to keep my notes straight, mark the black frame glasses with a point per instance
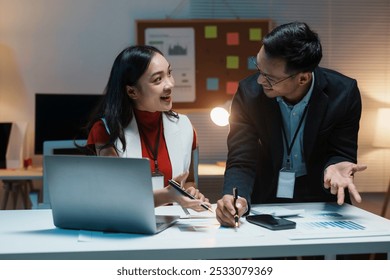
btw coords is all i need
(269, 81)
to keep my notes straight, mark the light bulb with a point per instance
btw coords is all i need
(220, 116)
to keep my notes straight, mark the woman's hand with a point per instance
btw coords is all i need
(190, 187)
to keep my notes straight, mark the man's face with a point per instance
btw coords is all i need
(274, 79)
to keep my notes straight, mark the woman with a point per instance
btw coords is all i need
(135, 119)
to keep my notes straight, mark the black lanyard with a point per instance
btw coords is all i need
(154, 151)
(289, 147)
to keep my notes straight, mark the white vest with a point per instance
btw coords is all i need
(178, 135)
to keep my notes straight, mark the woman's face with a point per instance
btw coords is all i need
(153, 91)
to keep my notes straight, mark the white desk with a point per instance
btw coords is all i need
(36, 173)
(208, 169)
(19, 181)
(21, 174)
(30, 234)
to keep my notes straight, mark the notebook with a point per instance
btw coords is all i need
(103, 193)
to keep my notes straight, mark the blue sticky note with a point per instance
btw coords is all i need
(251, 65)
(212, 83)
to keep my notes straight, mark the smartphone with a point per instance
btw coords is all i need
(271, 222)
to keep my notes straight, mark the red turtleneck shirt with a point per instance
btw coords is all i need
(148, 128)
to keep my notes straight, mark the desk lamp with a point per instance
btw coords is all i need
(382, 140)
(220, 114)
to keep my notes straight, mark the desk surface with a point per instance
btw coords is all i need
(21, 174)
(30, 234)
(208, 169)
(36, 172)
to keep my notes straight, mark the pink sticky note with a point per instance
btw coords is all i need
(231, 87)
(232, 38)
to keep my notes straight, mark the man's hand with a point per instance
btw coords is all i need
(339, 176)
(225, 209)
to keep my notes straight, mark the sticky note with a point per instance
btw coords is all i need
(251, 65)
(255, 34)
(231, 87)
(232, 62)
(212, 84)
(210, 31)
(232, 38)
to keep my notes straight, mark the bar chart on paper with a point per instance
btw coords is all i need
(333, 225)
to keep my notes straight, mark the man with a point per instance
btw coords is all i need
(293, 128)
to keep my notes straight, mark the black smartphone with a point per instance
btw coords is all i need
(271, 222)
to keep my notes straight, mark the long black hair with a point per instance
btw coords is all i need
(116, 107)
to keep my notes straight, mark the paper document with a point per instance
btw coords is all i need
(277, 211)
(334, 225)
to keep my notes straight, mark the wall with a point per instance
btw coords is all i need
(355, 36)
(56, 46)
(69, 46)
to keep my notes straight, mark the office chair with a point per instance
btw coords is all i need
(52, 148)
(195, 163)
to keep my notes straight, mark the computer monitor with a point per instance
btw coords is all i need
(61, 116)
(5, 131)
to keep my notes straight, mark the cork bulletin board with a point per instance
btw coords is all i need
(208, 57)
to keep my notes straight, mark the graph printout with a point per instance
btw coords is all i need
(334, 225)
(178, 46)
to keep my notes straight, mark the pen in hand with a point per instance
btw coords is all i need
(178, 187)
(236, 216)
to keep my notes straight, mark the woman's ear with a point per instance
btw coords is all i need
(131, 92)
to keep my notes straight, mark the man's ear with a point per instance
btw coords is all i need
(131, 92)
(304, 78)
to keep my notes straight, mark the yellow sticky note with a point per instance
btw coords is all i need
(232, 62)
(210, 31)
(255, 34)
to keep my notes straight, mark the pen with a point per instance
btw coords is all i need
(235, 196)
(178, 187)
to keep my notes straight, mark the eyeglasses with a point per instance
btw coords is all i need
(270, 81)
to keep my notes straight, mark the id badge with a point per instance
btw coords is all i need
(158, 181)
(286, 183)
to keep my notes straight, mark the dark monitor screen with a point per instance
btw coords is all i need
(5, 131)
(61, 116)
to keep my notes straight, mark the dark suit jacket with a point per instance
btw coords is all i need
(255, 137)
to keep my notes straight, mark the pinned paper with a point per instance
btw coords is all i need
(232, 62)
(210, 31)
(212, 84)
(255, 34)
(232, 38)
(231, 87)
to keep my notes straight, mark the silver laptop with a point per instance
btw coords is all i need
(103, 194)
